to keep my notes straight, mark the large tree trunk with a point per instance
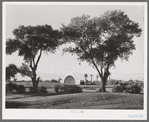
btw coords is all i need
(35, 81)
(103, 85)
(103, 76)
(104, 81)
(35, 85)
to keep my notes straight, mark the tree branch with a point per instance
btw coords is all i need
(106, 71)
(31, 66)
(25, 74)
(101, 70)
(34, 60)
(96, 67)
(38, 58)
(92, 61)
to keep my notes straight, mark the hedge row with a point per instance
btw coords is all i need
(11, 87)
(131, 88)
(40, 90)
(67, 88)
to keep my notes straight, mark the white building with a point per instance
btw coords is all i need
(70, 79)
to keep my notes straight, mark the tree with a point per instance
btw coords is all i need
(11, 71)
(53, 81)
(100, 41)
(30, 42)
(59, 80)
(85, 76)
(91, 78)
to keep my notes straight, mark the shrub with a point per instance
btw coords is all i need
(129, 88)
(20, 89)
(47, 81)
(89, 83)
(10, 87)
(123, 86)
(53, 81)
(120, 88)
(42, 90)
(57, 88)
(93, 83)
(136, 88)
(75, 89)
(113, 82)
(67, 88)
(130, 82)
(96, 82)
(117, 89)
(32, 90)
(82, 82)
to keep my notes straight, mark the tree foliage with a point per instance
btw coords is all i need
(25, 70)
(32, 39)
(30, 42)
(100, 41)
(11, 71)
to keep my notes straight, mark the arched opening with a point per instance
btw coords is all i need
(70, 80)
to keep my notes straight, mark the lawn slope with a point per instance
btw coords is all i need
(92, 100)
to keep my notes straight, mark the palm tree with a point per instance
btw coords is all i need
(91, 77)
(85, 76)
(59, 80)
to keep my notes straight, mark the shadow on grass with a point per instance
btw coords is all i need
(10, 104)
(26, 95)
(83, 101)
(50, 94)
(32, 94)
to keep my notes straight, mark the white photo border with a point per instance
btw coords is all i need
(78, 114)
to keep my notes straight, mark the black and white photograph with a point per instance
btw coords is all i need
(74, 60)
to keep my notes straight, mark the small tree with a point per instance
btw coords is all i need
(11, 71)
(31, 42)
(53, 81)
(100, 41)
(91, 78)
(59, 80)
(85, 76)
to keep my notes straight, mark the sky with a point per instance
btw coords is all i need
(53, 66)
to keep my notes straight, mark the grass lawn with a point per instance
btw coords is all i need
(85, 100)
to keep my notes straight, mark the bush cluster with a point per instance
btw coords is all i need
(40, 90)
(11, 87)
(32, 90)
(82, 82)
(134, 88)
(128, 88)
(113, 82)
(20, 89)
(89, 83)
(67, 88)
